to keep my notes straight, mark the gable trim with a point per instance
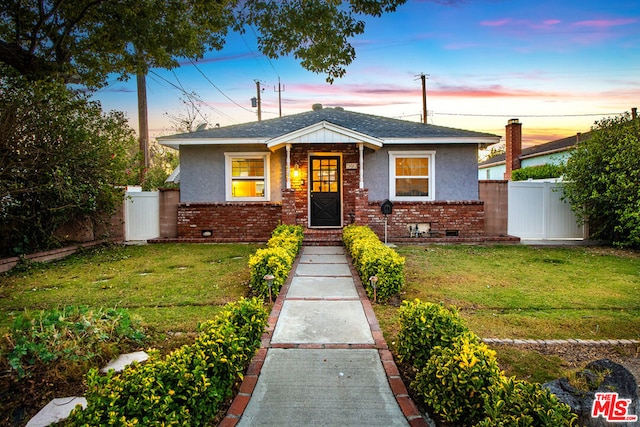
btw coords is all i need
(320, 133)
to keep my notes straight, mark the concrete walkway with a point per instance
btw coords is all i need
(323, 359)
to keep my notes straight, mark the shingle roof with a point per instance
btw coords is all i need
(542, 149)
(375, 126)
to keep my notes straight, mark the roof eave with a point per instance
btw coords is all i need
(177, 142)
(482, 142)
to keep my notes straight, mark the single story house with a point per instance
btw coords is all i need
(327, 168)
(554, 152)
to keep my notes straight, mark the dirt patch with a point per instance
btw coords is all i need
(576, 356)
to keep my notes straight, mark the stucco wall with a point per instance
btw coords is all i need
(202, 176)
(456, 171)
(202, 173)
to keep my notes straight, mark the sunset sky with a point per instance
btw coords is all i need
(557, 65)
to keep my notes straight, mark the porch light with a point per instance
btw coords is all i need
(269, 279)
(374, 284)
(296, 171)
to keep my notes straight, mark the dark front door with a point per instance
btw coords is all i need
(325, 201)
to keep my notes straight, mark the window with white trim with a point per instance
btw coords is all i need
(411, 176)
(247, 176)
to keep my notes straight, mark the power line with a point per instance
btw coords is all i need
(525, 115)
(217, 88)
(189, 96)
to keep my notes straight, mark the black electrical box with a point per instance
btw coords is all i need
(386, 207)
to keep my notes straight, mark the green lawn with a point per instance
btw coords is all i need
(529, 292)
(171, 287)
(502, 291)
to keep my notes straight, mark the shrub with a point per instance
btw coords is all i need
(424, 326)
(276, 259)
(188, 386)
(76, 334)
(456, 379)
(538, 172)
(372, 258)
(520, 403)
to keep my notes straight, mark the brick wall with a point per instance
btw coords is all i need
(446, 218)
(238, 222)
(350, 177)
(495, 195)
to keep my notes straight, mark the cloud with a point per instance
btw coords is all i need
(491, 91)
(444, 2)
(498, 23)
(604, 24)
(118, 89)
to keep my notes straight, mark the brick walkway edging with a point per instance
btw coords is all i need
(399, 390)
(408, 407)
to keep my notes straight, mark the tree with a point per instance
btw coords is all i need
(88, 39)
(60, 160)
(602, 180)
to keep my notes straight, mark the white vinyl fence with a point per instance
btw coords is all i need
(537, 211)
(141, 215)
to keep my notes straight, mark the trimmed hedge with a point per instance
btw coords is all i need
(456, 379)
(371, 257)
(459, 377)
(276, 259)
(519, 403)
(188, 386)
(545, 171)
(424, 326)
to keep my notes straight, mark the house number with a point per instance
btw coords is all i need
(351, 166)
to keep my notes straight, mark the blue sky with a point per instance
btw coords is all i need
(558, 66)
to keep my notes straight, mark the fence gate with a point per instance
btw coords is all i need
(537, 211)
(141, 215)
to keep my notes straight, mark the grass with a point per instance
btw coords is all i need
(529, 292)
(526, 292)
(170, 287)
(502, 291)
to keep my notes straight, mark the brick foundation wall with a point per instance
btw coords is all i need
(239, 222)
(446, 218)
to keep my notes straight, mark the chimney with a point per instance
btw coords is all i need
(634, 113)
(513, 131)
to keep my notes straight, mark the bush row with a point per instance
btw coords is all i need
(188, 386)
(276, 259)
(459, 377)
(373, 258)
(71, 334)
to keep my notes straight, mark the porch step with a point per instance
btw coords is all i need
(322, 237)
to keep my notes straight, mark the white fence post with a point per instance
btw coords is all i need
(141, 215)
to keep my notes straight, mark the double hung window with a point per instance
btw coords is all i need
(247, 176)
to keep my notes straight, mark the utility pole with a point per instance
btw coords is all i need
(279, 90)
(258, 102)
(143, 123)
(424, 78)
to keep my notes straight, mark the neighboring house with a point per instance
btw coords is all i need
(554, 152)
(325, 169)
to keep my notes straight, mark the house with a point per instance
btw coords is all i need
(554, 152)
(325, 169)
